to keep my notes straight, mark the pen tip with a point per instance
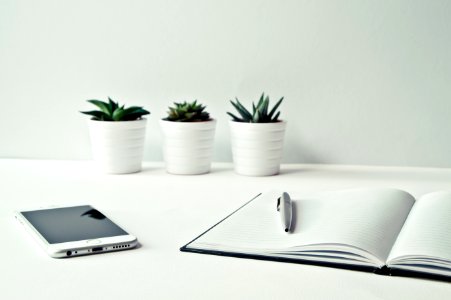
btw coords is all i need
(286, 229)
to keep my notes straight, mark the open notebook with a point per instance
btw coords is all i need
(385, 230)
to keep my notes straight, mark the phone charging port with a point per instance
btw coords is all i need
(97, 249)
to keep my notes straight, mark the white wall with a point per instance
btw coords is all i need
(365, 82)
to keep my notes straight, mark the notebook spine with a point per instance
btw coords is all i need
(383, 271)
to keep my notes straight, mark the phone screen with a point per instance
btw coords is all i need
(69, 224)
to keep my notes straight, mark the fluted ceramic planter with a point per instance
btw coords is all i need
(117, 147)
(257, 147)
(188, 146)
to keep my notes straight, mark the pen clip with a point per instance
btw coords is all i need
(278, 204)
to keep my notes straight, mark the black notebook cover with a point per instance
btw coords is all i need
(381, 271)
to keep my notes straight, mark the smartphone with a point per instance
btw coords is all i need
(74, 231)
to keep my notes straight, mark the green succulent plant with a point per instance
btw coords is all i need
(259, 113)
(112, 111)
(187, 112)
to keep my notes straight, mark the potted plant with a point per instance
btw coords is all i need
(257, 138)
(117, 136)
(188, 133)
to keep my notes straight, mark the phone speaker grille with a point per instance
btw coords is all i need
(121, 246)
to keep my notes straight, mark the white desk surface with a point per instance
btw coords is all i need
(165, 212)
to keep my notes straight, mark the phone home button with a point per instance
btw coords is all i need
(93, 242)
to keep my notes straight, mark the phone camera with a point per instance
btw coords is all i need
(69, 253)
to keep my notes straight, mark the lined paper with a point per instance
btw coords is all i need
(427, 230)
(366, 219)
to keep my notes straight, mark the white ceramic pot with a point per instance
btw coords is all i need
(257, 147)
(188, 146)
(117, 147)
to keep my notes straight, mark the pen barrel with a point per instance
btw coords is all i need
(286, 212)
(286, 219)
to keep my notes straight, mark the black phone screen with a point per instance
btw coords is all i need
(69, 224)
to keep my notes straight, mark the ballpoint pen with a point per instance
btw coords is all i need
(284, 206)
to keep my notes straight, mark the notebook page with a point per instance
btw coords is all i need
(369, 219)
(427, 231)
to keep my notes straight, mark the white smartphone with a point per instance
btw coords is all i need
(74, 231)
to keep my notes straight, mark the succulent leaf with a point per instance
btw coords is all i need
(259, 111)
(102, 105)
(113, 105)
(235, 118)
(112, 111)
(273, 110)
(187, 112)
(97, 115)
(245, 114)
(118, 114)
(260, 101)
